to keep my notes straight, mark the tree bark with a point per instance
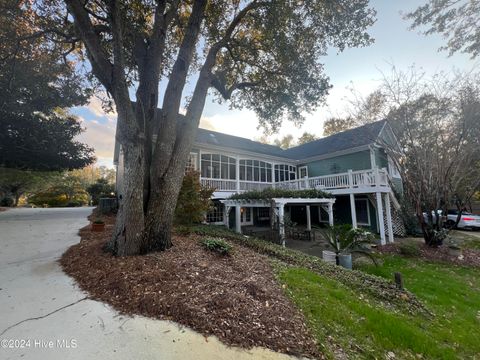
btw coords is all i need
(129, 225)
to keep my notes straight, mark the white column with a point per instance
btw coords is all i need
(389, 218)
(330, 214)
(309, 219)
(319, 215)
(281, 223)
(237, 172)
(381, 226)
(353, 210)
(273, 175)
(238, 219)
(226, 213)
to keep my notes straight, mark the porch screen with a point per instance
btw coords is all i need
(216, 166)
(284, 172)
(255, 170)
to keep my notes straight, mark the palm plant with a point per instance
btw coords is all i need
(344, 239)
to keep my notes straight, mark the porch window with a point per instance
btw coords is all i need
(363, 212)
(392, 168)
(255, 170)
(215, 215)
(216, 166)
(191, 163)
(263, 213)
(284, 172)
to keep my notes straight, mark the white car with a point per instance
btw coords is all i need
(467, 220)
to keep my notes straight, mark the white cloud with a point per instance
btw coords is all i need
(95, 107)
(99, 136)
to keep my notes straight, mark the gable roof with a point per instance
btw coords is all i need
(360, 136)
(209, 137)
(349, 139)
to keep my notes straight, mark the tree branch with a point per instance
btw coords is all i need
(101, 66)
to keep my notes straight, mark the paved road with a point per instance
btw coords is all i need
(34, 292)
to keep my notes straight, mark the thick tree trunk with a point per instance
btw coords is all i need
(129, 225)
(160, 215)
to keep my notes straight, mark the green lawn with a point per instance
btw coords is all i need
(365, 329)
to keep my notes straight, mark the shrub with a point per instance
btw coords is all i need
(269, 193)
(6, 201)
(217, 245)
(101, 188)
(409, 249)
(193, 201)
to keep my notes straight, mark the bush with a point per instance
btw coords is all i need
(217, 245)
(56, 198)
(193, 201)
(6, 201)
(100, 189)
(409, 249)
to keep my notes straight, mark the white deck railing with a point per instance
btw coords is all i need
(350, 179)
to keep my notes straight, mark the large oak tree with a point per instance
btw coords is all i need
(261, 55)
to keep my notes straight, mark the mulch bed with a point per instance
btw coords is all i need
(235, 298)
(470, 257)
(3, 209)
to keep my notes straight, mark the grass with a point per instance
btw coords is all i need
(361, 313)
(364, 330)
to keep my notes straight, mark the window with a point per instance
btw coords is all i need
(215, 215)
(246, 216)
(363, 212)
(302, 172)
(191, 163)
(217, 166)
(392, 168)
(255, 170)
(263, 213)
(284, 172)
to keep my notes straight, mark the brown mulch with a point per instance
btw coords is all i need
(3, 209)
(235, 298)
(470, 257)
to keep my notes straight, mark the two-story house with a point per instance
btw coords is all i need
(351, 165)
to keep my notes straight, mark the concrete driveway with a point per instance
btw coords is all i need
(43, 315)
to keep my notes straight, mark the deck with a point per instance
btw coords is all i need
(351, 182)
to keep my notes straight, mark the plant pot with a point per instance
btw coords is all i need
(98, 227)
(454, 251)
(329, 257)
(345, 260)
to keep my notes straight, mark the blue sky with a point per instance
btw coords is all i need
(358, 67)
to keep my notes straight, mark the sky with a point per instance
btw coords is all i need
(360, 68)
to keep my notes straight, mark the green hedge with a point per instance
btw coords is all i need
(268, 194)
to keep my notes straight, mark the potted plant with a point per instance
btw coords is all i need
(98, 225)
(345, 241)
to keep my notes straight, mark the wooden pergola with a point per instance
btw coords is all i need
(278, 205)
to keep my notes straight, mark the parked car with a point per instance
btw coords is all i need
(467, 220)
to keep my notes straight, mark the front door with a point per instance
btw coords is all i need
(302, 172)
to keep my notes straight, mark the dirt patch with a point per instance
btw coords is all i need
(3, 209)
(469, 257)
(235, 298)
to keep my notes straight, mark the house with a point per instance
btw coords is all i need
(352, 165)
